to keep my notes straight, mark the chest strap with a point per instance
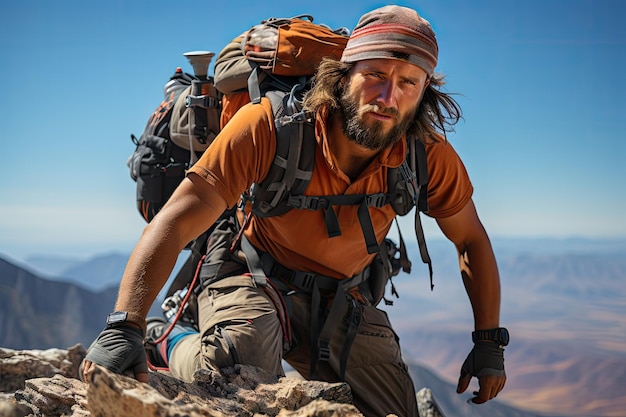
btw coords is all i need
(326, 203)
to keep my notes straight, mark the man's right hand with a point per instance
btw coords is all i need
(120, 350)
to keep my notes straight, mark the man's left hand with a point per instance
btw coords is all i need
(485, 362)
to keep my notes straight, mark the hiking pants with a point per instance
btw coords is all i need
(239, 324)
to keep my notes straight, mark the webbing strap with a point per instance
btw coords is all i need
(405, 262)
(320, 337)
(254, 89)
(294, 132)
(306, 281)
(316, 319)
(332, 222)
(326, 204)
(322, 327)
(354, 320)
(421, 243)
(419, 165)
(368, 229)
(254, 262)
(422, 175)
(295, 148)
(190, 265)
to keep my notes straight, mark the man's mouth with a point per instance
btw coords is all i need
(379, 113)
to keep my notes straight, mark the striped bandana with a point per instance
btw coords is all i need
(393, 32)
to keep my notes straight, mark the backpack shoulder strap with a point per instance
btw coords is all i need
(417, 156)
(421, 171)
(292, 167)
(408, 185)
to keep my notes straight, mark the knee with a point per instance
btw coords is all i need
(248, 343)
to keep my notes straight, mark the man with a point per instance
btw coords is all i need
(368, 106)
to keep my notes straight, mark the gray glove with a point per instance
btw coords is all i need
(486, 358)
(120, 350)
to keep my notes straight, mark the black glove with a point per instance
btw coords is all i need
(486, 358)
(120, 350)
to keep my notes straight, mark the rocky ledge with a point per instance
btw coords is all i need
(44, 383)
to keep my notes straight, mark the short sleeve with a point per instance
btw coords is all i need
(241, 154)
(449, 186)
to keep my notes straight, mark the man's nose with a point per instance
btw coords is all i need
(386, 94)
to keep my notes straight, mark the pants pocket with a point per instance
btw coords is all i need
(376, 342)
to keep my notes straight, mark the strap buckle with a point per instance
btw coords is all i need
(308, 202)
(204, 102)
(376, 200)
(323, 350)
(303, 279)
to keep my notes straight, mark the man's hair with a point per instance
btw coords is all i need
(437, 112)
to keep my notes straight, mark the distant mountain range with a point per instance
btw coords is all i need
(565, 307)
(96, 273)
(38, 314)
(564, 302)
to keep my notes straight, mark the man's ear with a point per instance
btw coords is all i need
(343, 82)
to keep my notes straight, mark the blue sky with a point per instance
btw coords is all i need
(541, 84)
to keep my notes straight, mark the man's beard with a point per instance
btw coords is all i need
(371, 136)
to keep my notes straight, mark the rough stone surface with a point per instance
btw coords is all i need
(17, 366)
(49, 388)
(426, 405)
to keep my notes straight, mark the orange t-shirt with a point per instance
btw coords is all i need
(243, 153)
(231, 103)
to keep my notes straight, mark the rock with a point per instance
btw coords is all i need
(9, 408)
(426, 405)
(16, 366)
(47, 386)
(55, 396)
(323, 408)
(238, 391)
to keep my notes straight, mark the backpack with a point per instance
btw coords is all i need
(281, 73)
(175, 135)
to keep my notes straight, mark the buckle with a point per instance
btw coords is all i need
(303, 280)
(296, 201)
(201, 101)
(311, 203)
(376, 200)
(324, 350)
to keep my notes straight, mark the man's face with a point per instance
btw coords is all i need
(379, 101)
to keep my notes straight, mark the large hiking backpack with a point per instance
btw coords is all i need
(288, 51)
(176, 134)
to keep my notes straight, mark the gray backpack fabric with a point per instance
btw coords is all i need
(176, 134)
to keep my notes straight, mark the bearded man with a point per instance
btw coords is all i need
(367, 108)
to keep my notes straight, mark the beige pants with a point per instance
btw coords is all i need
(239, 324)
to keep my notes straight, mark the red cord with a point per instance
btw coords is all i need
(178, 314)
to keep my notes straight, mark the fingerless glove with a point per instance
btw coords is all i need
(120, 350)
(486, 358)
